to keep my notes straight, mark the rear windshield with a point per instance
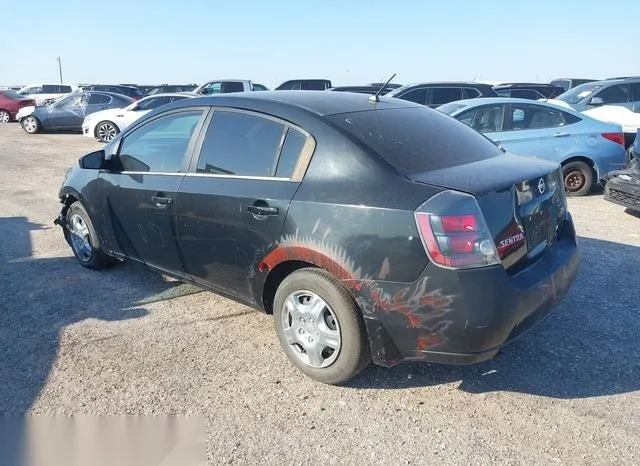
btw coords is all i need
(414, 140)
(13, 95)
(575, 95)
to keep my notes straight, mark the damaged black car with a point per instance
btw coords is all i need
(372, 229)
(623, 186)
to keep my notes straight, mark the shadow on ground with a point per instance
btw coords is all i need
(589, 346)
(41, 296)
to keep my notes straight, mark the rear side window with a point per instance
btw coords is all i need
(64, 89)
(413, 140)
(50, 89)
(95, 99)
(526, 94)
(470, 93)
(240, 144)
(618, 94)
(313, 85)
(293, 144)
(444, 95)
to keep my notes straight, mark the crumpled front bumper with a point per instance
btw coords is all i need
(622, 187)
(464, 316)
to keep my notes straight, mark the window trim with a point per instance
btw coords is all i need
(115, 151)
(300, 169)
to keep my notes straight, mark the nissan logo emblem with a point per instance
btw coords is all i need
(541, 186)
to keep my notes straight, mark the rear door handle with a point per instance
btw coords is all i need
(161, 202)
(262, 210)
(561, 135)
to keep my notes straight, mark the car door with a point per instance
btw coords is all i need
(232, 205)
(537, 130)
(140, 186)
(66, 113)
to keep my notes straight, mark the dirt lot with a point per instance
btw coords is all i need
(128, 341)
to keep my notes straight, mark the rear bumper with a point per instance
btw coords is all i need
(464, 317)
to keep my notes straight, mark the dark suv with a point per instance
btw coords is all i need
(171, 89)
(382, 231)
(531, 91)
(129, 91)
(436, 94)
(304, 85)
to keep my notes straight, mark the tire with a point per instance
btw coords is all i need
(30, 124)
(578, 178)
(106, 131)
(337, 321)
(5, 117)
(82, 237)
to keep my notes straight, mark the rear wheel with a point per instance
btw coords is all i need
(5, 117)
(82, 238)
(31, 124)
(578, 178)
(106, 131)
(320, 326)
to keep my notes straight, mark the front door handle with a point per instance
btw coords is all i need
(262, 210)
(161, 202)
(561, 135)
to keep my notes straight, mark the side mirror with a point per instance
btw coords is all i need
(596, 101)
(93, 161)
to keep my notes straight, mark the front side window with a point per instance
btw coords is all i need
(212, 88)
(418, 95)
(485, 119)
(232, 86)
(150, 104)
(525, 94)
(240, 144)
(470, 93)
(64, 89)
(50, 89)
(618, 94)
(444, 95)
(160, 145)
(73, 101)
(635, 92)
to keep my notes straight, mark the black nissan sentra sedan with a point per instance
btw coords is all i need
(372, 231)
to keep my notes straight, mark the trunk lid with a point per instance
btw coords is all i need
(522, 200)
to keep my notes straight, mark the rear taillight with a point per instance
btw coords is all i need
(615, 137)
(454, 232)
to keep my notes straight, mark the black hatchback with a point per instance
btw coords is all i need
(371, 230)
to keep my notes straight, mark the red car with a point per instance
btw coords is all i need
(10, 103)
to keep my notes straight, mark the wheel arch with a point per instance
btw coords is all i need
(95, 128)
(587, 160)
(275, 276)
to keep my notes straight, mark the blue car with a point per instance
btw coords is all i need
(586, 148)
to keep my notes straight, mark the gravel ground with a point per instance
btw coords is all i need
(130, 342)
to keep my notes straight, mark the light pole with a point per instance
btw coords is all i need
(60, 69)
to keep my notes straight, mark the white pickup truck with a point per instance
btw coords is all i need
(43, 94)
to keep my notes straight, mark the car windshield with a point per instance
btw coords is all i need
(415, 140)
(575, 95)
(450, 108)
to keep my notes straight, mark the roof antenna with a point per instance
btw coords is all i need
(376, 98)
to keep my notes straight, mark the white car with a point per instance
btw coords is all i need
(225, 86)
(106, 125)
(43, 94)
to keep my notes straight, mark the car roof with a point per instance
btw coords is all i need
(531, 85)
(320, 103)
(170, 94)
(503, 100)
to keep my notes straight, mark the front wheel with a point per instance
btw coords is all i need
(82, 238)
(320, 326)
(578, 178)
(106, 131)
(31, 124)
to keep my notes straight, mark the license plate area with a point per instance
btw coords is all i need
(536, 230)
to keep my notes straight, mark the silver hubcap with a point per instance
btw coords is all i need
(30, 124)
(311, 329)
(106, 132)
(80, 237)
(4, 116)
